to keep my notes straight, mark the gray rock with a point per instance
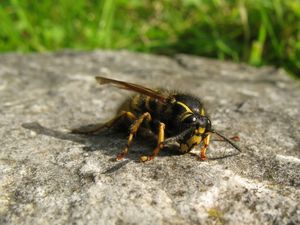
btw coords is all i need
(49, 176)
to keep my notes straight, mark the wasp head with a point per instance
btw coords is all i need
(197, 128)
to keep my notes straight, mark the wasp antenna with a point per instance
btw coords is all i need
(102, 80)
(226, 139)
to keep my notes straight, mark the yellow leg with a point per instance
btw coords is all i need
(122, 115)
(133, 129)
(160, 140)
(100, 126)
(204, 148)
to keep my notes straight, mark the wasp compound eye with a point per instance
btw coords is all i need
(190, 119)
(208, 126)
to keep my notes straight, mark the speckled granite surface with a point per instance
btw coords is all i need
(48, 176)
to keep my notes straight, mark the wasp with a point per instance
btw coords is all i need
(172, 117)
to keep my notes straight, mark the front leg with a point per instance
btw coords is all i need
(204, 148)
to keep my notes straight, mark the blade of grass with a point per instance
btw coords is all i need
(270, 30)
(106, 23)
(257, 47)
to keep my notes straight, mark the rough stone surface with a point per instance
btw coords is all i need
(48, 176)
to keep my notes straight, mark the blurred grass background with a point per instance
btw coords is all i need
(252, 31)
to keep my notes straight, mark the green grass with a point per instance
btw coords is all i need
(253, 31)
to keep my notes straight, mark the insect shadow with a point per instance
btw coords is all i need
(110, 141)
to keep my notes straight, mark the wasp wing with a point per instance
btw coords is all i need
(133, 87)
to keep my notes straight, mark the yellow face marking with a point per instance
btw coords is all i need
(200, 130)
(202, 112)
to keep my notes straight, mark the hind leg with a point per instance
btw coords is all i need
(100, 126)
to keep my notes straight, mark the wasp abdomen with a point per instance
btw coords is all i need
(141, 103)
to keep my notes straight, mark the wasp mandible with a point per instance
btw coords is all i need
(172, 117)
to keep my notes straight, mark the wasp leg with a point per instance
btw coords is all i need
(100, 126)
(160, 144)
(133, 129)
(204, 148)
